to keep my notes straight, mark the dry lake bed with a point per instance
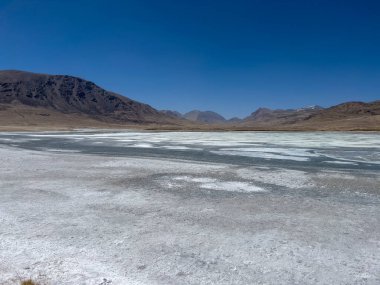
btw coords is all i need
(92, 207)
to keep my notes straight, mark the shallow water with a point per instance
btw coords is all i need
(294, 149)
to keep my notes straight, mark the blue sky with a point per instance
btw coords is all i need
(227, 56)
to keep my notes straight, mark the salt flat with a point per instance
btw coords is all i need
(190, 208)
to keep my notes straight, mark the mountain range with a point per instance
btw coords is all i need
(207, 117)
(30, 100)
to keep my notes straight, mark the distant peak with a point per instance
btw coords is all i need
(309, 108)
(204, 117)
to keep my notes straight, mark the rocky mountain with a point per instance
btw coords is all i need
(350, 109)
(72, 95)
(345, 116)
(234, 120)
(282, 116)
(208, 117)
(170, 113)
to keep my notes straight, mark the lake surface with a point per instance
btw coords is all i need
(294, 149)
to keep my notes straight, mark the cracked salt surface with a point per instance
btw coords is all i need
(232, 186)
(176, 215)
(281, 177)
(214, 184)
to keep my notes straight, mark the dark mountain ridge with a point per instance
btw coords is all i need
(351, 109)
(68, 94)
(345, 116)
(282, 116)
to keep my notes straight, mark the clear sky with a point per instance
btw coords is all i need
(227, 56)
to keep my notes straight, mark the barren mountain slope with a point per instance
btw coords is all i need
(71, 95)
(345, 116)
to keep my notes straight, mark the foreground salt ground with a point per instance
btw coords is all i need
(72, 213)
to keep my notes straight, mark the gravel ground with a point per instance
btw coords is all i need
(69, 217)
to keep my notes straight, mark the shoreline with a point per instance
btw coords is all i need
(172, 129)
